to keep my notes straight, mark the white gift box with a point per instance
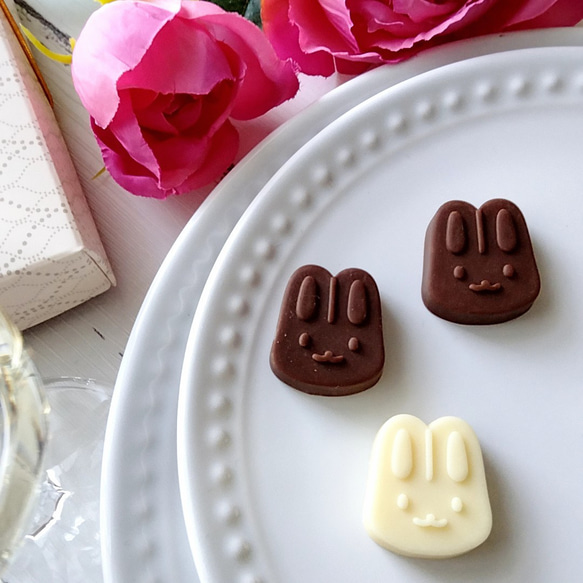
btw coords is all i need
(51, 257)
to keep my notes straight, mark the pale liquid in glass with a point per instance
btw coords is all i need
(23, 435)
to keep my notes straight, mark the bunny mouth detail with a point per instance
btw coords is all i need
(430, 520)
(485, 286)
(328, 357)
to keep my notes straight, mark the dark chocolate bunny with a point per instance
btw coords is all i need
(329, 338)
(479, 265)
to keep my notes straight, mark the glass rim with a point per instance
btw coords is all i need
(11, 342)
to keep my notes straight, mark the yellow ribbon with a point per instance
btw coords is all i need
(65, 59)
(59, 58)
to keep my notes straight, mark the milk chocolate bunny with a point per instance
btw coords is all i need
(479, 265)
(329, 337)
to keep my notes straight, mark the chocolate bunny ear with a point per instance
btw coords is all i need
(310, 282)
(506, 226)
(329, 338)
(455, 227)
(479, 265)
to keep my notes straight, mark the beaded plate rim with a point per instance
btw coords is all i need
(209, 470)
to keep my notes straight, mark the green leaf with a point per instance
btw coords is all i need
(253, 12)
(250, 9)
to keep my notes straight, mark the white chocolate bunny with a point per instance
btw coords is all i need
(426, 494)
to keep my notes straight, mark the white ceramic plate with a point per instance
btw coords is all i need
(143, 529)
(272, 479)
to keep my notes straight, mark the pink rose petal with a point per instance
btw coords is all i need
(137, 179)
(193, 65)
(284, 36)
(113, 41)
(420, 11)
(525, 14)
(266, 80)
(393, 30)
(162, 79)
(323, 23)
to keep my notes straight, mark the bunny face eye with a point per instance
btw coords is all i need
(508, 271)
(304, 340)
(456, 504)
(459, 272)
(353, 344)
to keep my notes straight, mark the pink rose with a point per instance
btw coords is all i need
(320, 36)
(162, 80)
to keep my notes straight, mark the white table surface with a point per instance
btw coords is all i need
(89, 341)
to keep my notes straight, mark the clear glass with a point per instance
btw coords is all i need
(24, 413)
(49, 484)
(63, 541)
